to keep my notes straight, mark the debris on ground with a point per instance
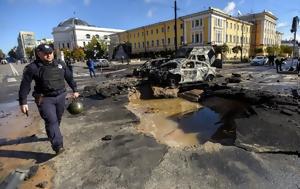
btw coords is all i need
(192, 95)
(42, 184)
(106, 138)
(167, 92)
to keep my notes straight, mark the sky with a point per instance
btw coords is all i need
(41, 16)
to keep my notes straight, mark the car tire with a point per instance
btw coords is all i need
(210, 78)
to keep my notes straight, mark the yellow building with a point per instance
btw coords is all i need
(215, 27)
(263, 30)
(211, 26)
(154, 37)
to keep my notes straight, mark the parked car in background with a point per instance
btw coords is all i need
(181, 71)
(3, 61)
(148, 66)
(259, 61)
(99, 63)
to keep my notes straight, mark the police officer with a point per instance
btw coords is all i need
(49, 91)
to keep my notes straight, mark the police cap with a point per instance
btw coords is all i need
(44, 48)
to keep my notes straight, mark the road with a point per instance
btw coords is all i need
(136, 160)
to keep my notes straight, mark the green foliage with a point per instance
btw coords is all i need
(2, 55)
(236, 49)
(95, 48)
(78, 54)
(67, 53)
(286, 49)
(29, 52)
(258, 50)
(12, 53)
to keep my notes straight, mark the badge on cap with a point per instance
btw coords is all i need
(59, 66)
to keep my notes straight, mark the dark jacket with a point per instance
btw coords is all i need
(32, 72)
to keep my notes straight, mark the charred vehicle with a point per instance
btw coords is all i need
(181, 71)
(148, 66)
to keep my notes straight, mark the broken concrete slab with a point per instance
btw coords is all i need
(160, 92)
(192, 95)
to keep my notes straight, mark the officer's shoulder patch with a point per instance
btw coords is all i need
(59, 66)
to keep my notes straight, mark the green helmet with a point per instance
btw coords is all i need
(75, 108)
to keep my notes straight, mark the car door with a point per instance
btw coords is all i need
(202, 70)
(189, 71)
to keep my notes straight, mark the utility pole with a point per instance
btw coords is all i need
(295, 24)
(175, 11)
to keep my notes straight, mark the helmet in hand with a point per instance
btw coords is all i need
(75, 108)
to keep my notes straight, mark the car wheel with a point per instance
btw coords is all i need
(210, 77)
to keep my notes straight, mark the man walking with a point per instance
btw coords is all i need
(278, 64)
(49, 91)
(91, 65)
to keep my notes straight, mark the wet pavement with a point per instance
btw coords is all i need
(164, 143)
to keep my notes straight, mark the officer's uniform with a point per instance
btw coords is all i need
(49, 93)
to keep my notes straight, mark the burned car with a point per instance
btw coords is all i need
(181, 71)
(148, 66)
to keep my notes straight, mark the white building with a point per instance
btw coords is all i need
(25, 40)
(43, 41)
(74, 33)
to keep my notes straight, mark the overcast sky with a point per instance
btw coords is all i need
(40, 16)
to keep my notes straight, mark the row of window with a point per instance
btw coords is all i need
(88, 36)
(63, 45)
(158, 43)
(237, 27)
(197, 23)
(151, 32)
(237, 39)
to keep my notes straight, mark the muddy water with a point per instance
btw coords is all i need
(155, 120)
(180, 123)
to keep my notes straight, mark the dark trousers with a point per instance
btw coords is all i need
(92, 72)
(278, 66)
(51, 110)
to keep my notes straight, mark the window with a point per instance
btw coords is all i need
(181, 26)
(226, 38)
(169, 41)
(230, 25)
(201, 22)
(142, 33)
(151, 32)
(230, 38)
(162, 30)
(193, 23)
(238, 27)
(237, 39)
(218, 36)
(201, 37)
(84, 43)
(143, 44)
(97, 36)
(218, 22)
(193, 38)
(226, 24)
(68, 45)
(163, 41)
(197, 38)
(88, 36)
(147, 43)
(157, 43)
(197, 23)
(181, 40)
(135, 45)
(139, 44)
(63, 45)
(156, 31)
(152, 43)
(168, 28)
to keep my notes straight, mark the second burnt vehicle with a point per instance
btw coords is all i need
(145, 69)
(182, 71)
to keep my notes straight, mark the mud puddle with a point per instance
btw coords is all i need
(181, 123)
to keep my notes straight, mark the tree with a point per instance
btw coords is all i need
(223, 49)
(29, 52)
(258, 50)
(286, 49)
(238, 49)
(12, 53)
(67, 53)
(95, 48)
(78, 54)
(2, 55)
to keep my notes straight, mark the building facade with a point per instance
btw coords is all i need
(74, 33)
(264, 32)
(209, 27)
(25, 40)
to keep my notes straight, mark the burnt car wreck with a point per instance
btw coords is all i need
(182, 71)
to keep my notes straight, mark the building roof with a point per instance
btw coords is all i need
(72, 22)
